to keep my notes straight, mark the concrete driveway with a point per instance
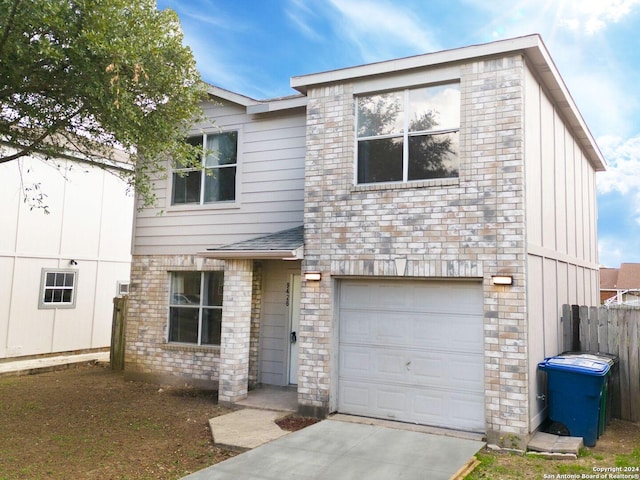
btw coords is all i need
(341, 450)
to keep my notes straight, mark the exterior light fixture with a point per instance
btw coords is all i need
(502, 279)
(312, 276)
(72, 262)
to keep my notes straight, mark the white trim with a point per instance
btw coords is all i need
(278, 104)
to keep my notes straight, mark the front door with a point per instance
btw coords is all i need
(294, 326)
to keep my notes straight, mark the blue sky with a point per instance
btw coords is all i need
(253, 47)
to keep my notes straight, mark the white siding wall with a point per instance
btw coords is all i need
(90, 222)
(561, 230)
(269, 194)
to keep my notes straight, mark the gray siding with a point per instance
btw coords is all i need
(269, 193)
(562, 252)
(274, 326)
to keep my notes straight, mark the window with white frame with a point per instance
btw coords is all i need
(408, 135)
(215, 180)
(58, 288)
(195, 307)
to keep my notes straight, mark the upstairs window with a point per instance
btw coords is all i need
(195, 307)
(408, 135)
(58, 288)
(215, 180)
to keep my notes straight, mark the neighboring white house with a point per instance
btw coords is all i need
(397, 240)
(61, 270)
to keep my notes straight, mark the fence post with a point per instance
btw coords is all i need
(117, 332)
(575, 328)
(566, 327)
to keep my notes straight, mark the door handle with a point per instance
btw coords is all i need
(293, 339)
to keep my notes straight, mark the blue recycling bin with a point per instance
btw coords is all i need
(575, 389)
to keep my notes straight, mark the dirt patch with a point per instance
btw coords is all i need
(89, 423)
(292, 423)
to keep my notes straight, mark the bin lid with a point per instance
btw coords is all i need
(605, 357)
(576, 364)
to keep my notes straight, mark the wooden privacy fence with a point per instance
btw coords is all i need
(614, 330)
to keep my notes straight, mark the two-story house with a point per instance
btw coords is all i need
(397, 240)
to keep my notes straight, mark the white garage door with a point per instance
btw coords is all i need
(412, 351)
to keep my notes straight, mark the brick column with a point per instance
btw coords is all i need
(236, 330)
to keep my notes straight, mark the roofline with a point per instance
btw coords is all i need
(278, 104)
(254, 106)
(301, 82)
(531, 46)
(230, 96)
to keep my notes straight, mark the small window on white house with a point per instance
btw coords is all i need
(58, 288)
(195, 307)
(408, 135)
(215, 180)
(122, 289)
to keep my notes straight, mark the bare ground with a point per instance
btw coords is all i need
(88, 423)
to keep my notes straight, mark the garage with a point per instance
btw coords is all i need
(412, 351)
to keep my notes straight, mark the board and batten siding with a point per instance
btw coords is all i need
(90, 222)
(561, 222)
(269, 190)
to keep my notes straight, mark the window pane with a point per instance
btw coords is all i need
(59, 282)
(380, 114)
(57, 296)
(185, 288)
(48, 296)
(186, 187)
(380, 160)
(213, 285)
(222, 149)
(68, 279)
(66, 295)
(220, 185)
(51, 280)
(196, 160)
(434, 108)
(433, 156)
(211, 326)
(183, 324)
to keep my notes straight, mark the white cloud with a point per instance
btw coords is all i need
(623, 173)
(592, 16)
(300, 14)
(623, 156)
(382, 30)
(612, 251)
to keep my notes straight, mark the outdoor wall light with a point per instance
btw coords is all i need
(502, 279)
(312, 276)
(72, 262)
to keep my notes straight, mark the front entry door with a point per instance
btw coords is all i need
(294, 325)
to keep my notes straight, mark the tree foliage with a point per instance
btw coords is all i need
(90, 78)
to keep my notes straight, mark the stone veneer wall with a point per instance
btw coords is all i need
(471, 227)
(148, 356)
(236, 331)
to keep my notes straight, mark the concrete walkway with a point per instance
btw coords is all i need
(340, 450)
